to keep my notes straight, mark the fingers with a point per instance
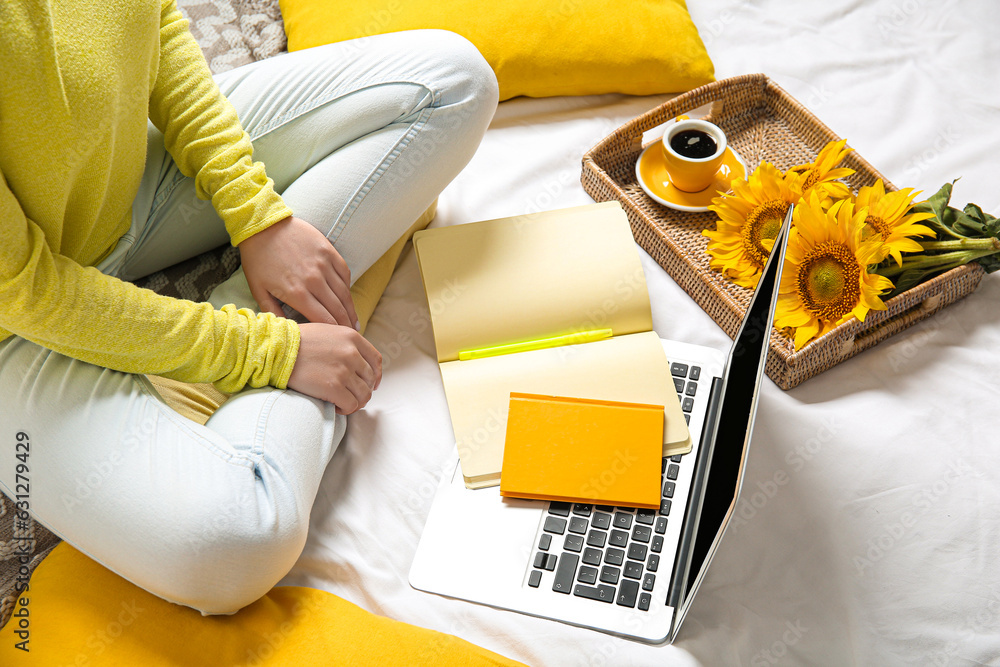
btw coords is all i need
(267, 302)
(322, 296)
(353, 394)
(341, 288)
(340, 266)
(373, 358)
(336, 364)
(367, 373)
(324, 307)
(293, 262)
(361, 390)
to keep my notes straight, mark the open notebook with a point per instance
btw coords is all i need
(535, 277)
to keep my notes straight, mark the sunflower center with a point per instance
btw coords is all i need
(829, 281)
(810, 179)
(763, 222)
(879, 225)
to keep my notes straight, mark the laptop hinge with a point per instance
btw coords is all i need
(682, 562)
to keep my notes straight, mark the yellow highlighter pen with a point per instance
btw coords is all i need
(540, 344)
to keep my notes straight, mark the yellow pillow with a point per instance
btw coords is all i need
(539, 49)
(367, 289)
(76, 612)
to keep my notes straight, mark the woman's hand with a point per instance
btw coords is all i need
(293, 262)
(336, 364)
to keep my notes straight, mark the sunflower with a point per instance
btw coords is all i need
(820, 175)
(826, 279)
(887, 217)
(749, 219)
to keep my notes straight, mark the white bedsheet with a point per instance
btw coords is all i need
(882, 544)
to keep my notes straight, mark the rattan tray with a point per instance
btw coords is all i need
(762, 122)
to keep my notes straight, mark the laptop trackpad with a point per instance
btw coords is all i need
(477, 544)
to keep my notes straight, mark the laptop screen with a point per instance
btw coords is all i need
(734, 417)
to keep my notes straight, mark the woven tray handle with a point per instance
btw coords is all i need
(717, 94)
(904, 310)
(893, 325)
(921, 302)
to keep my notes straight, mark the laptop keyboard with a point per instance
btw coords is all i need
(612, 554)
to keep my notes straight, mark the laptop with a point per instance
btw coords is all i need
(625, 571)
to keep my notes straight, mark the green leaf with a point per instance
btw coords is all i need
(971, 222)
(990, 224)
(973, 211)
(993, 227)
(948, 222)
(991, 263)
(939, 199)
(945, 216)
(909, 279)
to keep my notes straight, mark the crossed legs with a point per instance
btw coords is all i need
(360, 138)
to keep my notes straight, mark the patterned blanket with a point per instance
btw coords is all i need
(231, 33)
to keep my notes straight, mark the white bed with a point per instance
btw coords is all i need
(882, 546)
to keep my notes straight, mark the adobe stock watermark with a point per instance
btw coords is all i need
(563, 177)
(375, 23)
(627, 290)
(899, 20)
(754, 499)
(776, 652)
(982, 622)
(894, 532)
(558, 13)
(420, 322)
(100, 640)
(419, 496)
(218, 522)
(379, 18)
(552, 188)
(716, 27)
(494, 422)
(603, 655)
(946, 138)
(621, 463)
(403, 340)
(446, 297)
(273, 640)
(92, 478)
(903, 352)
(411, 155)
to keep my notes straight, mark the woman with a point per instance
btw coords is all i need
(111, 129)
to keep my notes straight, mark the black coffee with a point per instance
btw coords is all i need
(694, 144)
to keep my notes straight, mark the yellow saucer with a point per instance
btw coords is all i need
(651, 170)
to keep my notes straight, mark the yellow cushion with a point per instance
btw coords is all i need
(80, 613)
(367, 290)
(198, 402)
(539, 49)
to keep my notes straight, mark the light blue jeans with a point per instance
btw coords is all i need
(359, 137)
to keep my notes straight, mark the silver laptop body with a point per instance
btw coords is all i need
(511, 554)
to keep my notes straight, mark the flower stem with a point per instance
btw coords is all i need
(944, 261)
(963, 244)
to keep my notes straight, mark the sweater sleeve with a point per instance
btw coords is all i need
(78, 311)
(203, 134)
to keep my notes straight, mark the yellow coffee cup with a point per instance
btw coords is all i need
(693, 151)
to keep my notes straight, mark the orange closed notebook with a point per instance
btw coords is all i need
(582, 450)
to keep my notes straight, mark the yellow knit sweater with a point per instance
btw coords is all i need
(79, 80)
